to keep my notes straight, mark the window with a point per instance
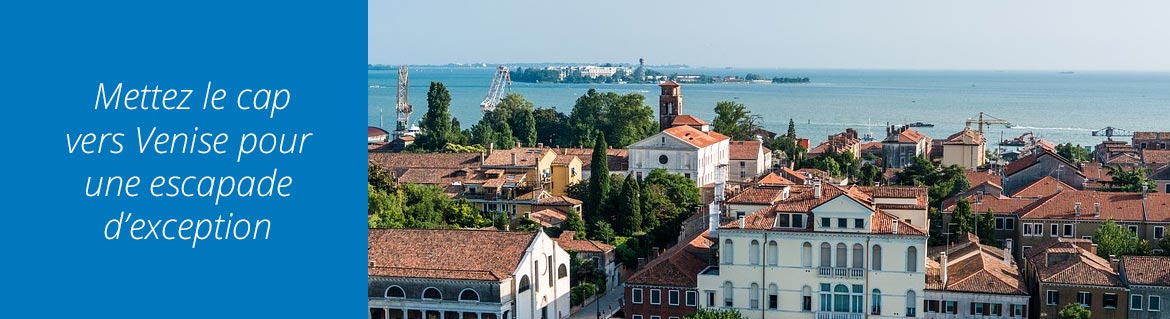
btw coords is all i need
(1028, 229)
(1011, 223)
(790, 220)
(536, 279)
(728, 251)
(524, 284)
(636, 295)
(806, 254)
(1085, 298)
(911, 302)
(710, 299)
(754, 253)
(662, 158)
(842, 255)
(1159, 231)
(842, 222)
(1054, 229)
(741, 164)
(858, 223)
(1155, 303)
(1109, 301)
(826, 222)
(826, 255)
(1135, 302)
(395, 292)
(1053, 298)
(638, 317)
(876, 303)
(551, 279)
(727, 294)
(996, 309)
(742, 174)
(562, 271)
(692, 298)
(432, 293)
(468, 295)
(826, 298)
(1132, 228)
(806, 299)
(978, 308)
(1018, 310)
(1000, 223)
(773, 253)
(1087, 237)
(951, 307)
(858, 256)
(877, 257)
(672, 297)
(1068, 230)
(932, 306)
(655, 317)
(773, 296)
(912, 259)
(655, 296)
(754, 296)
(687, 175)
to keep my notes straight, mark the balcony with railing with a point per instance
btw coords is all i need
(840, 272)
(838, 315)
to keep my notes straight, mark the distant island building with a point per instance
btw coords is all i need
(462, 274)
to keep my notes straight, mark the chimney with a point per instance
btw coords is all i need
(1077, 209)
(513, 158)
(742, 219)
(1007, 251)
(894, 227)
(539, 145)
(817, 189)
(491, 146)
(1113, 262)
(1096, 209)
(942, 257)
(373, 263)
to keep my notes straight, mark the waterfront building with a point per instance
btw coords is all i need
(462, 274)
(902, 145)
(1148, 279)
(965, 148)
(666, 287)
(848, 256)
(1043, 162)
(971, 280)
(748, 160)
(1062, 271)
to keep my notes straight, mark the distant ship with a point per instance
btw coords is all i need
(1067, 72)
(920, 124)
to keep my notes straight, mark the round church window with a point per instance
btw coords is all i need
(662, 159)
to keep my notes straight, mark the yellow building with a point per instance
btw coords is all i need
(965, 148)
(566, 170)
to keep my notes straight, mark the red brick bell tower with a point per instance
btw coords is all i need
(669, 104)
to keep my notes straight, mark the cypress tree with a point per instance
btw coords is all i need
(629, 209)
(598, 180)
(436, 123)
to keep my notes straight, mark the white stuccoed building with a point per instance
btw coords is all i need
(826, 252)
(682, 150)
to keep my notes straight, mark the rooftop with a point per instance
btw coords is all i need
(678, 266)
(485, 255)
(1044, 186)
(1147, 270)
(974, 267)
(1066, 261)
(568, 243)
(745, 150)
(695, 137)
(687, 119)
(1118, 206)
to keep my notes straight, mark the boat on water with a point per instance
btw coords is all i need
(920, 124)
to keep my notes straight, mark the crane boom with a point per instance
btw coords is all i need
(403, 108)
(987, 122)
(499, 88)
(1109, 132)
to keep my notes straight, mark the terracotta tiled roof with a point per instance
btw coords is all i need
(882, 223)
(1114, 205)
(965, 137)
(744, 150)
(1124, 158)
(802, 199)
(973, 267)
(909, 135)
(377, 131)
(559, 200)
(997, 204)
(1044, 186)
(687, 119)
(976, 178)
(669, 83)
(1151, 157)
(446, 253)
(434, 176)
(795, 176)
(619, 158)
(425, 160)
(1147, 270)
(758, 195)
(1096, 172)
(1161, 173)
(872, 146)
(678, 266)
(568, 243)
(548, 217)
(1028, 161)
(1151, 135)
(774, 179)
(565, 159)
(895, 191)
(1062, 261)
(695, 137)
(524, 156)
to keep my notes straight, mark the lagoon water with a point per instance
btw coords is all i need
(1057, 106)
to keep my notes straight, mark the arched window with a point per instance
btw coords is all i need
(728, 293)
(875, 302)
(911, 302)
(562, 271)
(755, 296)
(432, 293)
(841, 298)
(468, 295)
(912, 259)
(754, 253)
(806, 298)
(826, 255)
(877, 257)
(806, 254)
(773, 296)
(773, 253)
(858, 256)
(842, 255)
(524, 284)
(728, 251)
(395, 292)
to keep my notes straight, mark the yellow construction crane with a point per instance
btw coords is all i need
(989, 121)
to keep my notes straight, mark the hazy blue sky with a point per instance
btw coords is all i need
(927, 34)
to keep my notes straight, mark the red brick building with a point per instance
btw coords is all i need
(666, 287)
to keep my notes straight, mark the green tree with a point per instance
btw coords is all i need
(791, 134)
(586, 118)
(714, 313)
(734, 120)
(436, 123)
(986, 228)
(598, 181)
(629, 208)
(550, 125)
(961, 184)
(1074, 153)
(830, 166)
(574, 223)
(1130, 180)
(603, 232)
(937, 227)
(869, 174)
(525, 130)
(1074, 311)
(1112, 239)
(625, 117)
(385, 209)
(962, 217)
